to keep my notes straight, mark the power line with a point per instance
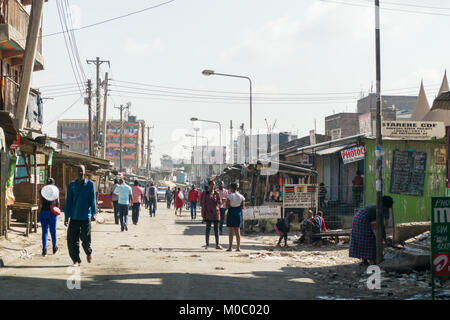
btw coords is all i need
(388, 9)
(67, 109)
(139, 84)
(76, 72)
(111, 19)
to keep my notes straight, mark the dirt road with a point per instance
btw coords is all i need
(163, 258)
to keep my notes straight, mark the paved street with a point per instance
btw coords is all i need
(160, 258)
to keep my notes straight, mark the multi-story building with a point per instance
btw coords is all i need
(14, 19)
(75, 133)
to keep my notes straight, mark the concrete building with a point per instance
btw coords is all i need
(75, 133)
(401, 103)
(342, 125)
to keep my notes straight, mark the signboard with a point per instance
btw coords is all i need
(299, 196)
(335, 134)
(447, 129)
(440, 238)
(365, 123)
(261, 212)
(353, 154)
(408, 172)
(424, 130)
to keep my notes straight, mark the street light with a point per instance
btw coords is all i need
(207, 144)
(207, 72)
(220, 136)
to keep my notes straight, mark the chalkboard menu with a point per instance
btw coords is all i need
(408, 172)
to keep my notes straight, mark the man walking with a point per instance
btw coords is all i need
(80, 209)
(115, 202)
(193, 198)
(168, 197)
(137, 193)
(223, 193)
(151, 196)
(125, 197)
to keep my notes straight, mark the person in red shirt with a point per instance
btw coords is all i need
(357, 188)
(193, 198)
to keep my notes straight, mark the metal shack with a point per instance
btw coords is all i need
(413, 172)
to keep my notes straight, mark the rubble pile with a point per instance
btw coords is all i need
(414, 255)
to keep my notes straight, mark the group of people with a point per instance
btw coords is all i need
(216, 203)
(123, 197)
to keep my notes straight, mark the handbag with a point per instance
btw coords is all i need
(55, 210)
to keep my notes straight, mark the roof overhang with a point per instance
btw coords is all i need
(337, 143)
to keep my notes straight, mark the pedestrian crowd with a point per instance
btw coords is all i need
(218, 205)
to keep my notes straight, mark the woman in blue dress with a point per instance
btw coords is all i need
(235, 205)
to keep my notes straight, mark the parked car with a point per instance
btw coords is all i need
(161, 193)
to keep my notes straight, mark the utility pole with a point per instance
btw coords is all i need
(89, 89)
(29, 57)
(378, 152)
(231, 143)
(105, 99)
(121, 130)
(149, 149)
(97, 63)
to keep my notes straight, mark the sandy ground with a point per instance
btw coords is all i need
(163, 258)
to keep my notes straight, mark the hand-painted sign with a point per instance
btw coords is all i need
(423, 130)
(440, 238)
(353, 154)
(299, 196)
(261, 212)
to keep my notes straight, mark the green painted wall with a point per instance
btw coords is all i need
(406, 208)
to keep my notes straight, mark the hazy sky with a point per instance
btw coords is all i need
(292, 47)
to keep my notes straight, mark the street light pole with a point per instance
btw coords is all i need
(211, 72)
(220, 137)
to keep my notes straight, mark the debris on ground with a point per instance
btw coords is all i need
(415, 255)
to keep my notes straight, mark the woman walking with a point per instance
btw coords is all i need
(179, 199)
(235, 205)
(49, 197)
(211, 202)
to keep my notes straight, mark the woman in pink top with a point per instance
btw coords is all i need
(136, 193)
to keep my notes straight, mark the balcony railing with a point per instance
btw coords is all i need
(15, 14)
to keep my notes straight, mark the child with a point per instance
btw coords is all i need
(282, 228)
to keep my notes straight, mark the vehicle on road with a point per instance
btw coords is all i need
(161, 194)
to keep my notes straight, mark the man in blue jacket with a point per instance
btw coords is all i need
(80, 209)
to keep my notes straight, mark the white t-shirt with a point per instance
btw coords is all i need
(235, 199)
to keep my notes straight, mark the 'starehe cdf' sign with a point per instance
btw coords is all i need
(353, 154)
(413, 129)
(440, 238)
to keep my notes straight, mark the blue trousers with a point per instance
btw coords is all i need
(193, 205)
(48, 221)
(123, 213)
(152, 206)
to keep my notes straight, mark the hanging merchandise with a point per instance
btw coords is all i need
(10, 182)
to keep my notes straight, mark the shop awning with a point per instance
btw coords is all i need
(332, 150)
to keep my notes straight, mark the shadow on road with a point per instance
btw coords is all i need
(288, 284)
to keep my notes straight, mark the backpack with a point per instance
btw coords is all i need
(151, 191)
(317, 223)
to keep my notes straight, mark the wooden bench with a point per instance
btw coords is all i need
(31, 210)
(331, 234)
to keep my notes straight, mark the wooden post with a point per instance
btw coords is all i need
(3, 208)
(35, 178)
(29, 57)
